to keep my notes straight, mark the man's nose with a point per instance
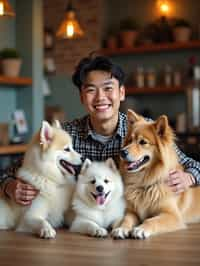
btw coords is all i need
(100, 93)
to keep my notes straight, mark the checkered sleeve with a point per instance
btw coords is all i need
(9, 173)
(190, 165)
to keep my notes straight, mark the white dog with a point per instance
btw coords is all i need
(49, 165)
(98, 200)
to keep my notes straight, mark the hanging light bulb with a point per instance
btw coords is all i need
(70, 27)
(164, 7)
(6, 9)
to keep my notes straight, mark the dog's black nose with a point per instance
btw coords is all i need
(124, 153)
(99, 188)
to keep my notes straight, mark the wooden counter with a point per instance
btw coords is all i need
(180, 248)
(13, 149)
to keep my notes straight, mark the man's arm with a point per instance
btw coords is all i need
(9, 174)
(14, 188)
(190, 165)
(180, 180)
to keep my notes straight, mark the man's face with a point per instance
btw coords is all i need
(101, 96)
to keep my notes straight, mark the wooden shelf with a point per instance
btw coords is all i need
(156, 90)
(13, 149)
(148, 48)
(15, 81)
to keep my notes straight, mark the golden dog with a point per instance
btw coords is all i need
(147, 157)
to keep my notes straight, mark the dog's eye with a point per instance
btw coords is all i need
(106, 181)
(67, 149)
(93, 181)
(142, 142)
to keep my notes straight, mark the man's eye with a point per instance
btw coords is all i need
(67, 149)
(108, 88)
(90, 90)
(142, 142)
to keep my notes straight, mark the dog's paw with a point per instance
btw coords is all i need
(47, 231)
(120, 233)
(100, 232)
(139, 232)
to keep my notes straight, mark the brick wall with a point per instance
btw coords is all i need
(67, 53)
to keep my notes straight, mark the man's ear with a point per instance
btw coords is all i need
(81, 96)
(122, 93)
(46, 134)
(161, 125)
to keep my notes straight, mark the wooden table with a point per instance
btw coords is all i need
(172, 249)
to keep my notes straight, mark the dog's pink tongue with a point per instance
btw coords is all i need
(71, 169)
(100, 200)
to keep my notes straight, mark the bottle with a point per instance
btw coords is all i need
(168, 76)
(177, 78)
(193, 102)
(140, 77)
(151, 78)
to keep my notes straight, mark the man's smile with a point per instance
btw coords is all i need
(102, 107)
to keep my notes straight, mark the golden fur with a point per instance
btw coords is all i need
(152, 208)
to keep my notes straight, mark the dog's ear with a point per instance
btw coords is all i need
(161, 125)
(85, 165)
(111, 164)
(57, 124)
(133, 117)
(46, 134)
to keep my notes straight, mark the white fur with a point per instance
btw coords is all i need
(92, 218)
(42, 169)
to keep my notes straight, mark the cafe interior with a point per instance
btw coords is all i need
(156, 42)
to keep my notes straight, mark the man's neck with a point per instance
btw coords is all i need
(106, 128)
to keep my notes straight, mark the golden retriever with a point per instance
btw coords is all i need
(147, 157)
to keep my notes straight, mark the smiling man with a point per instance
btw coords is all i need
(100, 134)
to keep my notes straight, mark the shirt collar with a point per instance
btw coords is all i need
(119, 132)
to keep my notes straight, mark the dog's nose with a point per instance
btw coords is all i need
(124, 153)
(99, 188)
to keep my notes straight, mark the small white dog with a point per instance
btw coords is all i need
(49, 165)
(98, 200)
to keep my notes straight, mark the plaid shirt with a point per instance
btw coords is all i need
(85, 144)
(88, 147)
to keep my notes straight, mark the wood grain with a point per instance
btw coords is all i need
(179, 248)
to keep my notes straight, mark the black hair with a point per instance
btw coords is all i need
(101, 63)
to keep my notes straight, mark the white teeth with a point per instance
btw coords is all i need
(101, 107)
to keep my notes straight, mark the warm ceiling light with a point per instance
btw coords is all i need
(70, 27)
(6, 9)
(164, 7)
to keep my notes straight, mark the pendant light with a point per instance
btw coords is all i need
(70, 27)
(6, 9)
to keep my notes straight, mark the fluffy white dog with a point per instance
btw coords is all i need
(49, 165)
(98, 200)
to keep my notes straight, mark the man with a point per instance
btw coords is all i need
(100, 134)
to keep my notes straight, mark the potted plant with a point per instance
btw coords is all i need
(182, 30)
(112, 39)
(128, 32)
(11, 62)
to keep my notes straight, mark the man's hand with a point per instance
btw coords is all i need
(179, 180)
(21, 192)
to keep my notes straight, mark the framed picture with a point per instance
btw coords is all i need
(49, 65)
(20, 122)
(48, 39)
